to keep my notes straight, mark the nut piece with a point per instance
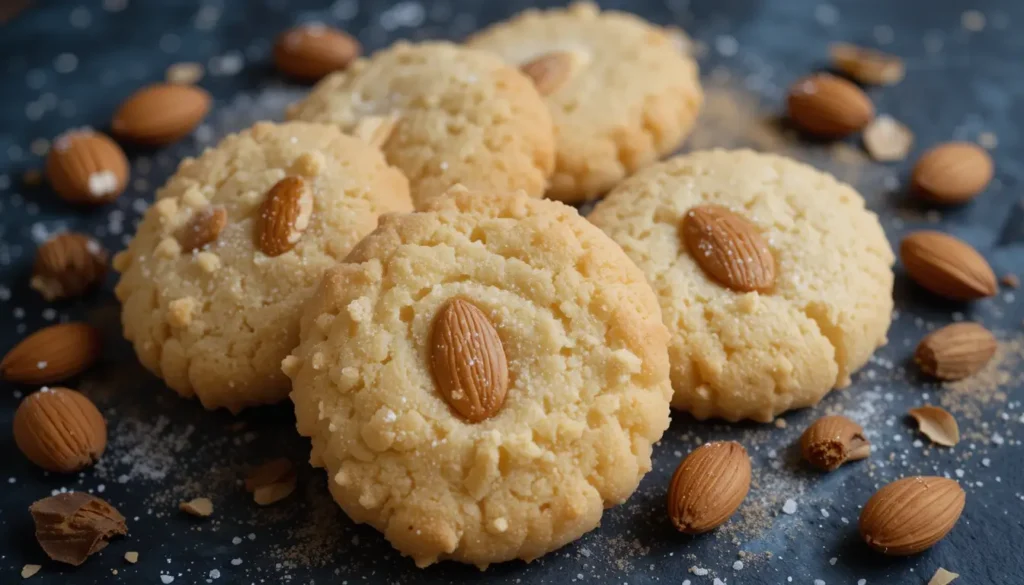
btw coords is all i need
(943, 577)
(550, 71)
(87, 167)
(952, 173)
(937, 424)
(131, 556)
(829, 106)
(376, 130)
(729, 249)
(202, 229)
(468, 361)
(833, 440)
(284, 216)
(910, 515)
(887, 140)
(310, 52)
(161, 113)
(52, 354)
(186, 73)
(956, 351)
(60, 430)
(708, 486)
(867, 65)
(30, 571)
(947, 266)
(68, 265)
(74, 525)
(275, 492)
(270, 472)
(201, 507)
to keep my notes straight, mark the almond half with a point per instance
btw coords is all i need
(952, 173)
(947, 266)
(729, 248)
(74, 525)
(833, 440)
(937, 424)
(956, 351)
(52, 354)
(284, 216)
(551, 71)
(829, 106)
(910, 515)
(202, 229)
(709, 486)
(468, 361)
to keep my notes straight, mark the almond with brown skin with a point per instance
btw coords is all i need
(60, 430)
(468, 361)
(910, 515)
(310, 52)
(952, 173)
(202, 229)
(956, 351)
(947, 266)
(828, 106)
(52, 354)
(284, 216)
(74, 525)
(729, 248)
(87, 167)
(868, 66)
(551, 70)
(833, 440)
(709, 486)
(68, 265)
(161, 113)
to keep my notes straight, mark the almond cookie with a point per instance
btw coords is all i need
(774, 281)
(483, 378)
(620, 91)
(237, 240)
(444, 115)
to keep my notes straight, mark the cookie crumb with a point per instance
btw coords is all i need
(1010, 280)
(131, 556)
(201, 507)
(186, 73)
(29, 570)
(887, 140)
(942, 577)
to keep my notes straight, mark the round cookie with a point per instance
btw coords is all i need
(207, 309)
(444, 115)
(587, 379)
(747, 355)
(621, 93)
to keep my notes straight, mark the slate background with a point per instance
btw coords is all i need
(973, 84)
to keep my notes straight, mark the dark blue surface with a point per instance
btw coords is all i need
(960, 84)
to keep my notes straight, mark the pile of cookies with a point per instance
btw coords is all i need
(480, 369)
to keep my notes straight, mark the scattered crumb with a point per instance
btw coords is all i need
(131, 556)
(185, 73)
(29, 570)
(780, 423)
(789, 507)
(201, 507)
(1010, 280)
(942, 577)
(887, 140)
(988, 140)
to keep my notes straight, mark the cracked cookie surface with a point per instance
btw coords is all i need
(216, 321)
(750, 355)
(630, 95)
(588, 383)
(459, 116)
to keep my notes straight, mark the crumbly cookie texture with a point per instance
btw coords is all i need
(749, 355)
(630, 98)
(215, 322)
(588, 390)
(453, 116)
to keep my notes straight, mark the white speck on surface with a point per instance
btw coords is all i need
(345, 9)
(789, 507)
(214, 574)
(824, 513)
(973, 20)
(65, 63)
(403, 14)
(986, 462)
(229, 63)
(737, 566)
(236, 562)
(699, 571)
(726, 45)
(819, 582)
(80, 17)
(166, 579)
(884, 34)
(959, 473)
(862, 581)
(833, 561)
(41, 365)
(826, 14)
(236, 540)
(115, 5)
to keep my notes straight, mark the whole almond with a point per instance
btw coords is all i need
(52, 354)
(956, 351)
(952, 173)
(71, 526)
(947, 266)
(833, 440)
(87, 167)
(867, 65)
(551, 70)
(729, 248)
(708, 486)
(829, 106)
(161, 113)
(310, 52)
(202, 229)
(910, 515)
(468, 361)
(284, 216)
(60, 430)
(68, 265)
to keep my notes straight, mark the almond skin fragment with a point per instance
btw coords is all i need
(828, 106)
(202, 229)
(284, 216)
(910, 515)
(937, 424)
(833, 440)
(947, 266)
(708, 486)
(52, 354)
(74, 525)
(468, 361)
(956, 351)
(161, 113)
(87, 167)
(60, 430)
(311, 52)
(952, 173)
(550, 71)
(68, 265)
(729, 249)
